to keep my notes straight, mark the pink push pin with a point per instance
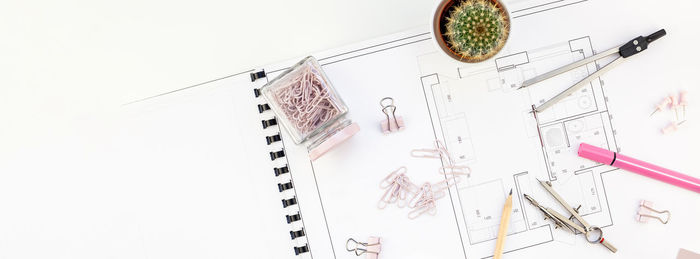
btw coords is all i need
(673, 127)
(392, 123)
(662, 105)
(674, 106)
(683, 101)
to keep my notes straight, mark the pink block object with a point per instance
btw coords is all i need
(373, 250)
(605, 156)
(336, 139)
(387, 128)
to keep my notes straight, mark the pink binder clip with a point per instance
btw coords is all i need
(371, 248)
(646, 211)
(392, 123)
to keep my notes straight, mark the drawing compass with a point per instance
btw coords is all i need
(593, 234)
(622, 52)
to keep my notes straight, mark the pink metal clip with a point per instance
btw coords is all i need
(392, 123)
(455, 170)
(440, 152)
(397, 187)
(646, 211)
(424, 201)
(371, 248)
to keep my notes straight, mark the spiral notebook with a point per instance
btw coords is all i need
(218, 148)
(223, 131)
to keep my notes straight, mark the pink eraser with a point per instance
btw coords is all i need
(594, 153)
(386, 128)
(373, 250)
(333, 141)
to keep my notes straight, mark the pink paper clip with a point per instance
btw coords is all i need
(455, 170)
(439, 152)
(646, 211)
(392, 123)
(424, 200)
(397, 187)
(371, 248)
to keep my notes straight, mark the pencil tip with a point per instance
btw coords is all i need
(511, 191)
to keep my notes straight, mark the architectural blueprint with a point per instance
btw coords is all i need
(488, 125)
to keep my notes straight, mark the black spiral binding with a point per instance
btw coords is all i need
(268, 123)
(276, 154)
(281, 170)
(283, 186)
(298, 233)
(273, 139)
(293, 218)
(302, 249)
(263, 107)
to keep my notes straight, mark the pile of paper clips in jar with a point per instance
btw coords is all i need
(421, 199)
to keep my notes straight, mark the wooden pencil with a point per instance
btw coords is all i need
(503, 229)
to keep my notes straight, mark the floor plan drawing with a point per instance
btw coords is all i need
(473, 107)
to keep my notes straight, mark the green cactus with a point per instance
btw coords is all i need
(476, 29)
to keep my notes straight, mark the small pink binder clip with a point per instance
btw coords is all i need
(392, 123)
(371, 248)
(646, 211)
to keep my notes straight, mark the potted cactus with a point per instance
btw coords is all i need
(471, 30)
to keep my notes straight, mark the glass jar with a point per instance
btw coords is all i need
(309, 108)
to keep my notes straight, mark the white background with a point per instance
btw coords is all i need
(64, 63)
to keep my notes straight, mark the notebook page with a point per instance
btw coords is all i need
(194, 175)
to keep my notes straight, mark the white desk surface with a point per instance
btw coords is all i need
(65, 61)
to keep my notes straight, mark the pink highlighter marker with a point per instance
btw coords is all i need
(605, 156)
